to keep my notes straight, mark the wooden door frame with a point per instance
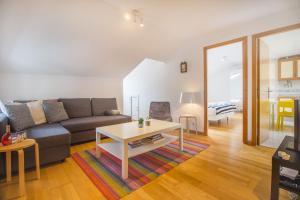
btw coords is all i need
(255, 77)
(244, 41)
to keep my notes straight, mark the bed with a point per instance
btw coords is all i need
(219, 111)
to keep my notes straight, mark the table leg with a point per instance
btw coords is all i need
(124, 160)
(273, 117)
(187, 125)
(37, 161)
(181, 139)
(98, 141)
(196, 126)
(275, 180)
(21, 172)
(8, 166)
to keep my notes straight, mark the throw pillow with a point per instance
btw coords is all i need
(37, 112)
(55, 112)
(100, 105)
(19, 116)
(112, 112)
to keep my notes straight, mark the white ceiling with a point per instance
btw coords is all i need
(223, 58)
(283, 44)
(91, 37)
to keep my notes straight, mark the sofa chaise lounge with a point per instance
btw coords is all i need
(55, 139)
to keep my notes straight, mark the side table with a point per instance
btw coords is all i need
(19, 147)
(277, 162)
(188, 117)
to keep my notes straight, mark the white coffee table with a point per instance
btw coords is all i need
(122, 134)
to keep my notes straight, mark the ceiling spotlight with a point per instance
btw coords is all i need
(224, 58)
(127, 16)
(142, 22)
(235, 75)
(136, 17)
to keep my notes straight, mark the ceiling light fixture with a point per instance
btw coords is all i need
(127, 16)
(224, 58)
(235, 75)
(142, 23)
(137, 17)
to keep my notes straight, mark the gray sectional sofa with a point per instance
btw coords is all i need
(55, 139)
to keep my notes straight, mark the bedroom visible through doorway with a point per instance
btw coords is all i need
(225, 70)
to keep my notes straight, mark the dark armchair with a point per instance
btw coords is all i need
(160, 111)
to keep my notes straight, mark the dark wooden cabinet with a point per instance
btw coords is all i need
(277, 162)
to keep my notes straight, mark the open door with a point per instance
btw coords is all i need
(264, 94)
(244, 82)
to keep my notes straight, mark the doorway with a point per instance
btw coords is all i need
(225, 86)
(276, 83)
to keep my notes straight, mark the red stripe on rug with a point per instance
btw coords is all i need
(114, 166)
(187, 148)
(153, 163)
(135, 178)
(176, 156)
(99, 183)
(150, 164)
(196, 143)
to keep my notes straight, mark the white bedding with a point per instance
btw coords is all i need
(221, 110)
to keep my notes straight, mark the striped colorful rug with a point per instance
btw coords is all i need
(105, 172)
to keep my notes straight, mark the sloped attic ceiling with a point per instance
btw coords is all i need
(91, 37)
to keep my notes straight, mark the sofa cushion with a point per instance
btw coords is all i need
(89, 123)
(19, 116)
(100, 105)
(55, 112)
(27, 101)
(80, 107)
(49, 135)
(23, 101)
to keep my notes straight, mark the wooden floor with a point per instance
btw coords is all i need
(226, 170)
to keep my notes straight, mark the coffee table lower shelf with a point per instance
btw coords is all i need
(115, 147)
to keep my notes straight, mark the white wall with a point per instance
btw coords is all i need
(218, 86)
(221, 88)
(145, 81)
(154, 81)
(236, 86)
(222, 62)
(26, 86)
(173, 82)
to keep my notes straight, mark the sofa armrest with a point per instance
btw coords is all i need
(3, 123)
(129, 119)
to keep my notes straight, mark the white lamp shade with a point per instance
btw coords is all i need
(188, 97)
